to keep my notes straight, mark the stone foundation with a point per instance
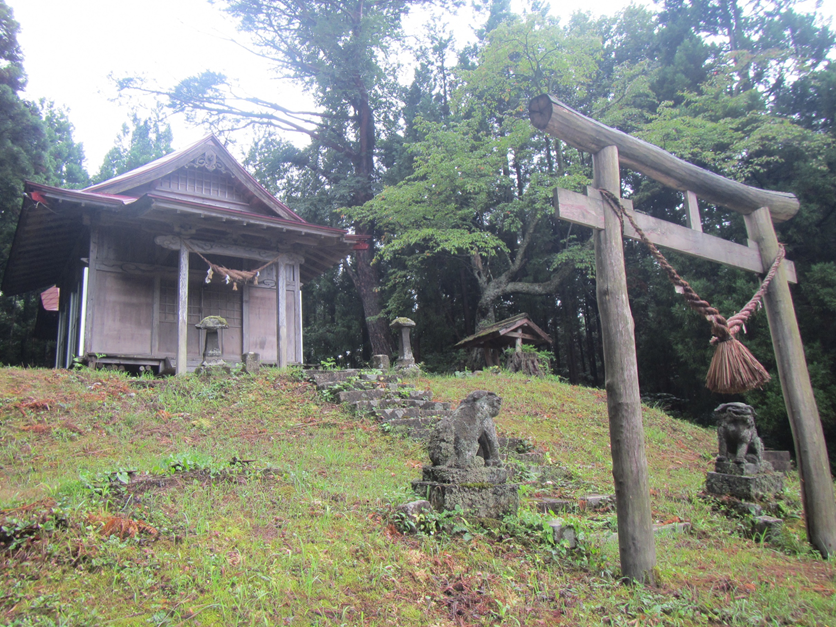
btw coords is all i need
(483, 500)
(742, 486)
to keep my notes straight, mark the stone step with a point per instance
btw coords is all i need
(366, 405)
(355, 396)
(591, 503)
(416, 428)
(330, 377)
(393, 413)
(426, 421)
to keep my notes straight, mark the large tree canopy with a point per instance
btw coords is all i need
(342, 53)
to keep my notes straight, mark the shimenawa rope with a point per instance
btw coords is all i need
(733, 369)
(233, 276)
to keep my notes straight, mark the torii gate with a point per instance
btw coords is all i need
(611, 148)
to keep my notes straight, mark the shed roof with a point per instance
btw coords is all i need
(505, 333)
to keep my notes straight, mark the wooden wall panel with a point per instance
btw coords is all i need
(262, 323)
(167, 330)
(124, 310)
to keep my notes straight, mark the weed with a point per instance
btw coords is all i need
(311, 541)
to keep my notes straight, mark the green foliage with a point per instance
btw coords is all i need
(142, 142)
(35, 144)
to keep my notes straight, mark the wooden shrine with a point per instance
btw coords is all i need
(611, 149)
(132, 259)
(514, 331)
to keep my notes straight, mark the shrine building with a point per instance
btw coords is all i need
(191, 233)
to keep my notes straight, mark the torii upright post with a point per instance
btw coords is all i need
(813, 463)
(761, 208)
(629, 464)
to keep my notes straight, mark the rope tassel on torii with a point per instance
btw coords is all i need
(733, 368)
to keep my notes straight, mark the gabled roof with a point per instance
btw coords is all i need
(208, 153)
(505, 333)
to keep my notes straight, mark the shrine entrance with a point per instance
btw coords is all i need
(610, 150)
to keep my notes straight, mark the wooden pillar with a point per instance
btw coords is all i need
(298, 297)
(692, 211)
(90, 306)
(810, 450)
(629, 463)
(183, 312)
(281, 315)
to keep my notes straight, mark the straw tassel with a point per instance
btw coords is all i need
(734, 369)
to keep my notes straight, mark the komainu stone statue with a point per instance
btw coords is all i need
(740, 469)
(468, 437)
(736, 433)
(466, 470)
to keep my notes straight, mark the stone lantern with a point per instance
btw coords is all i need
(405, 361)
(212, 350)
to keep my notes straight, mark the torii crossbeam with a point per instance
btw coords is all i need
(611, 149)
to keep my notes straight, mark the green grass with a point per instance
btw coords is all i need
(303, 531)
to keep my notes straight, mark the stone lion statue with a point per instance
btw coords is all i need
(468, 437)
(737, 435)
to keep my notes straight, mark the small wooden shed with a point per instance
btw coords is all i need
(130, 259)
(514, 331)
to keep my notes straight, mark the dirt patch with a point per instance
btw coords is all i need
(467, 599)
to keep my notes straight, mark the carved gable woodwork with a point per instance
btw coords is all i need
(194, 180)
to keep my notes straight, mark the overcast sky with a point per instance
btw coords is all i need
(72, 47)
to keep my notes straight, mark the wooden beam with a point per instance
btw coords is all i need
(811, 453)
(589, 211)
(550, 115)
(172, 242)
(183, 313)
(636, 546)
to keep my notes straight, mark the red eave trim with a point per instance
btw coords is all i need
(81, 196)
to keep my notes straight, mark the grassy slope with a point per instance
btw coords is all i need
(313, 542)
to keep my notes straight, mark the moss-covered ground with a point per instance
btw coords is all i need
(249, 501)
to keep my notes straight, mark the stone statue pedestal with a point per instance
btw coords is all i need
(740, 469)
(479, 491)
(466, 469)
(745, 487)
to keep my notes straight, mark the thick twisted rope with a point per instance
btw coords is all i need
(233, 276)
(721, 329)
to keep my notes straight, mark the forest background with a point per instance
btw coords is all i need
(452, 185)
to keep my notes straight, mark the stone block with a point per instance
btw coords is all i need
(475, 499)
(556, 506)
(414, 509)
(767, 528)
(474, 474)
(564, 534)
(381, 362)
(741, 468)
(744, 487)
(780, 460)
(251, 362)
(596, 502)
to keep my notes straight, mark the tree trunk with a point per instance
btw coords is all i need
(366, 277)
(367, 282)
